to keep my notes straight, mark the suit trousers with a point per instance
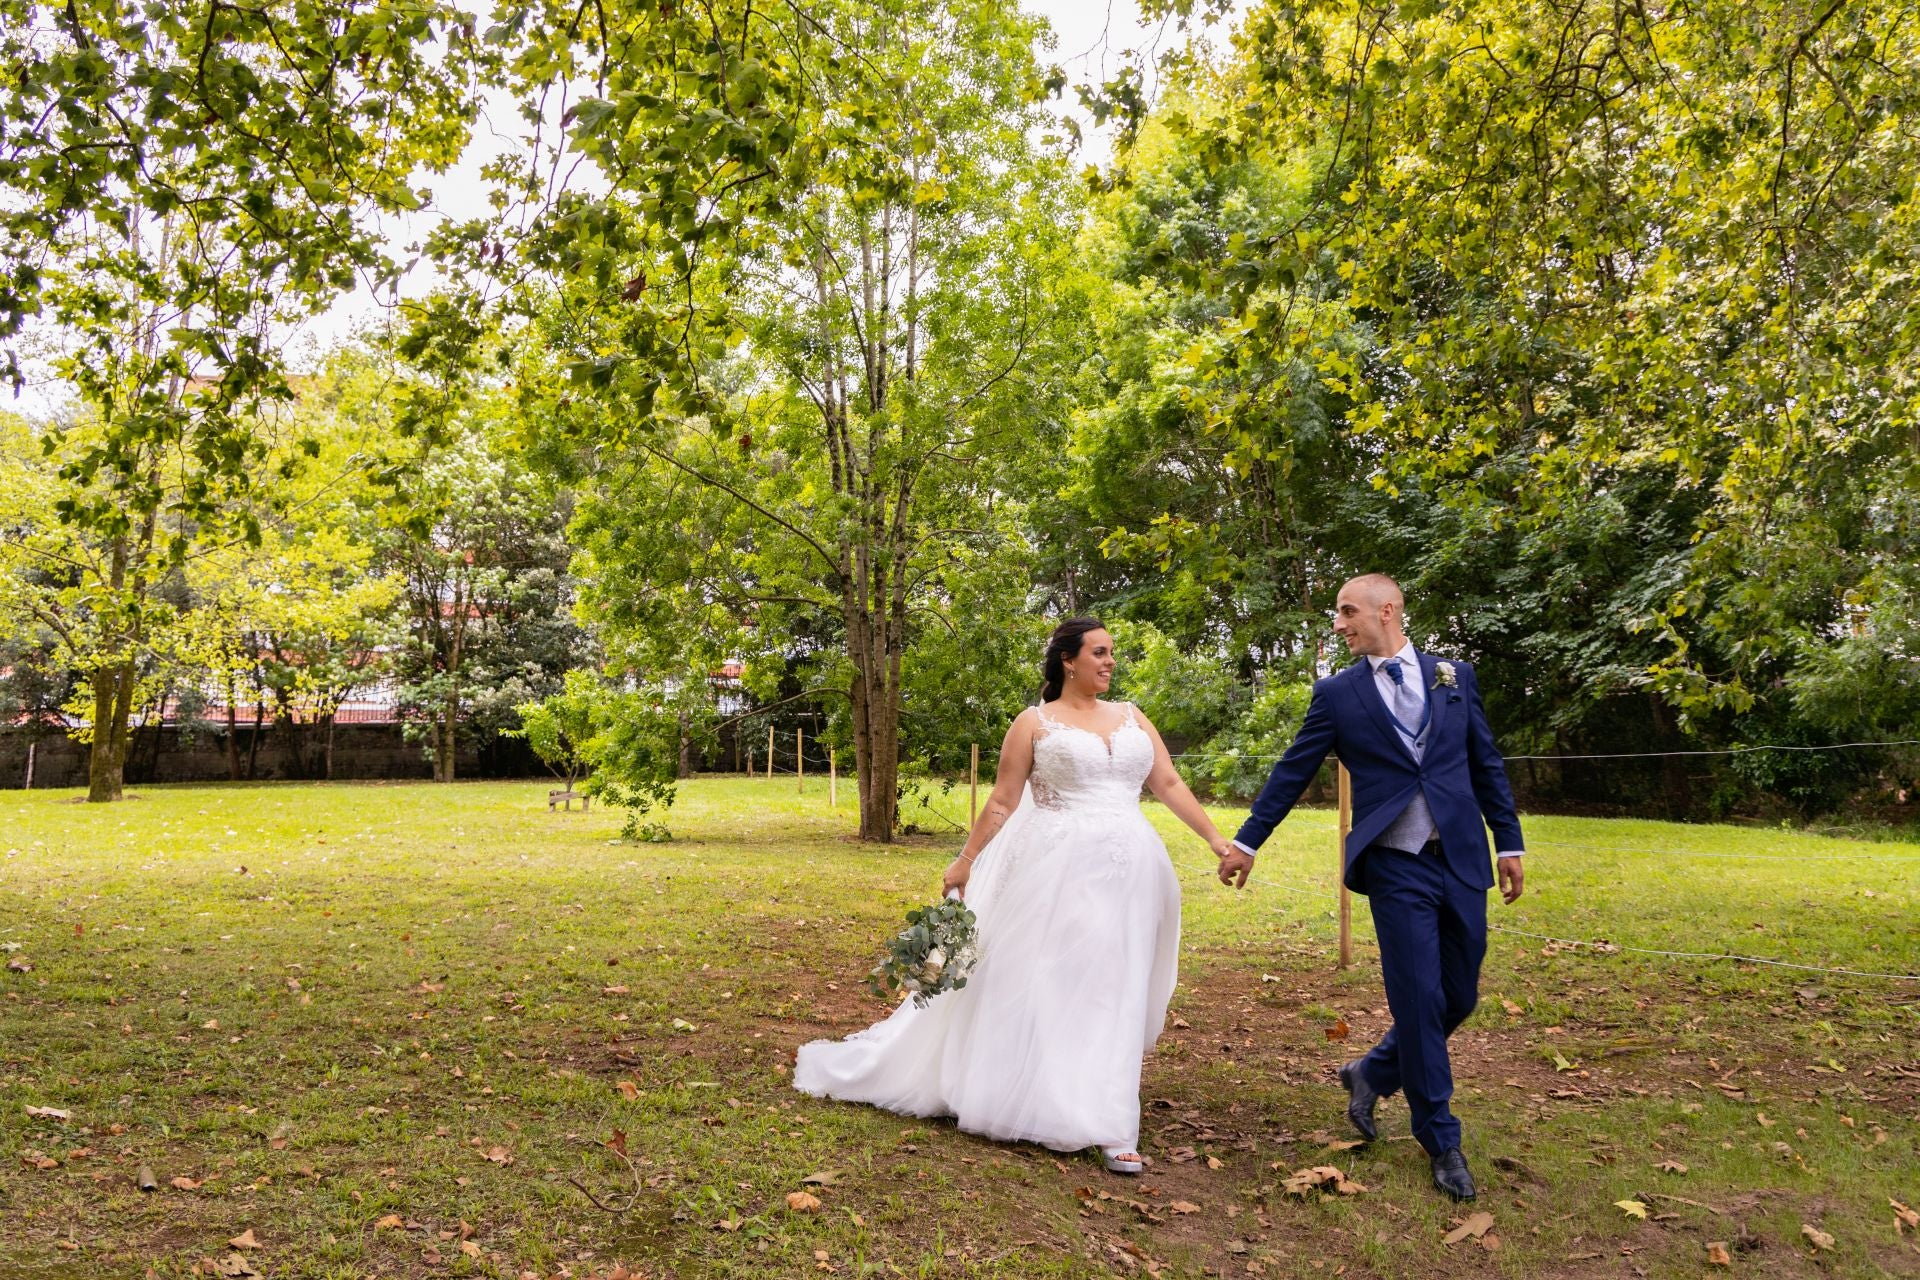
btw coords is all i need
(1432, 930)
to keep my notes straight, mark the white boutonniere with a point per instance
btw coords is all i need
(1443, 675)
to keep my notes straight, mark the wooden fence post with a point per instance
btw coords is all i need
(833, 778)
(973, 789)
(1340, 868)
(30, 747)
(800, 761)
(769, 753)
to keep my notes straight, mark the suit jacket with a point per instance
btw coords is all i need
(1461, 771)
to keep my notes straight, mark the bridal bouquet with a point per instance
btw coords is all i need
(931, 955)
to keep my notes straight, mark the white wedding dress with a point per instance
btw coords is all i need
(1078, 942)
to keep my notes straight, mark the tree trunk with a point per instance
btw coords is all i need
(686, 750)
(876, 715)
(327, 758)
(253, 743)
(880, 773)
(233, 742)
(113, 695)
(292, 740)
(107, 761)
(444, 741)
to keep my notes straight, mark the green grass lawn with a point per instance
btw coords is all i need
(389, 1030)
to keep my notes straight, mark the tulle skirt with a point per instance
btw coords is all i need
(1079, 940)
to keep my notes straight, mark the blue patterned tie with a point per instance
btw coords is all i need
(1407, 704)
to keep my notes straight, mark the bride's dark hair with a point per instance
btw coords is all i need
(1065, 643)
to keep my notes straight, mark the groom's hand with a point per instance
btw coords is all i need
(1511, 878)
(1235, 863)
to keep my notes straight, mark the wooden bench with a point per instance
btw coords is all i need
(567, 796)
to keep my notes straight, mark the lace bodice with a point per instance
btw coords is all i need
(1077, 768)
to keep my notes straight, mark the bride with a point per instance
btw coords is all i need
(1078, 935)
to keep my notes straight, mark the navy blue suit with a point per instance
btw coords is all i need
(1429, 909)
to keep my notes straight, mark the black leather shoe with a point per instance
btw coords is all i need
(1451, 1176)
(1360, 1100)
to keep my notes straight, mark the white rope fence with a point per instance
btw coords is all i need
(1609, 947)
(1722, 853)
(1617, 755)
(1340, 902)
(1192, 871)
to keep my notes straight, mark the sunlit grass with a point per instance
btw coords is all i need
(327, 1004)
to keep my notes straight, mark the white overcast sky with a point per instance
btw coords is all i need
(1091, 40)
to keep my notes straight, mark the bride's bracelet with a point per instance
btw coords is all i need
(967, 857)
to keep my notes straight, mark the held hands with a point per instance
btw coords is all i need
(1235, 863)
(1511, 878)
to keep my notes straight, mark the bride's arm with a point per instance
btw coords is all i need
(1016, 762)
(1171, 790)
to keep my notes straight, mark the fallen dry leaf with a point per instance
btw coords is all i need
(1671, 1166)
(1717, 1254)
(613, 991)
(233, 1264)
(824, 1178)
(1301, 1181)
(245, 1240)
(392, 1222)
(1476, 1226)
(497, 1155)
(184, 1184)
(49, 1113)
(1513, 1010)
(1183, 1206)
(1213, 1162)
(1339, 1030)
(1632, 1208)
(1903, 1217)
(628, 1089)
(469, 1248)
(1820, 1239)
(803, 1202)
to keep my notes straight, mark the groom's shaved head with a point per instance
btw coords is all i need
(1367, 615)
(1377, 589)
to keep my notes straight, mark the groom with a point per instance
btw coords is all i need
(1414, 737)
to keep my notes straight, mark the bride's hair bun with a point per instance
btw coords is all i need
(1063, 644)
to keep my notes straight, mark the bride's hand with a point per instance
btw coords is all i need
(955, 877)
